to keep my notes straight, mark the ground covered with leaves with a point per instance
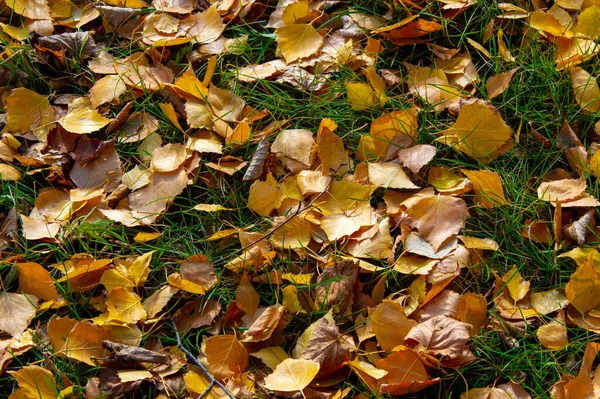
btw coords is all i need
(304, 198)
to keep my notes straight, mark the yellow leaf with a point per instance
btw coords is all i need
(298, 41)
(292, 375)
(548, 23)
(432, 85)
(361, 96)
(561, 190)
(291, 303)
(35, 280)
(36, 382)
(553, 336)
(585, 87)
(488, 187)
(205, 141)
(168, 157)
(240, 134)
(81, 342)
(35, 9)
(143, 237)
(9, 172)
(158, 300)
(28, 111)
(189, 83)
(389, 175)
(587, 23)
(290, 232)
(225, 104)
(198, 114)
(18, 33)
(83, 121)
(169, 112)
(226, 355)
(517, 287)
(16, 311)
(583, 289)
(197, 275)
(479, 133)
(472, 309)
(296, 12)
(107, 89)
(139, 269)
(211, 208)
(125, 306)
(265, 196)
(332, 154)
(271, 356)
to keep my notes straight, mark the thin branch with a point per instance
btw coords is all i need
(296, 213)
(213, 380)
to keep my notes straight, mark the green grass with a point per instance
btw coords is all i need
(538, 94)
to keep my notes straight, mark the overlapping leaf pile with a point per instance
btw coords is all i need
(356, 216)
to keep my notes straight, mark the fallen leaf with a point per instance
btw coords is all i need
(298, 41)
(125, 306)
(516, 285)
(389, 175)
(271, 356)
(83, 121)
(479, 133)
(27, 112)
(585, 87)
(440, 336)
(196, 275)
(35, 382)
(292, 375)
(226, 356)
(583, 289)
(553, 336)
(438, 218)
(323, 343)
(16, 311)
(497, 84)
(35, 280)
(389, 324)
(487, 186)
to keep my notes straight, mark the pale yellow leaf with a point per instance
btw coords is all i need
(292, 375)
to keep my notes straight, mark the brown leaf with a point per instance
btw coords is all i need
(389, 324)
(197, 275)
(440, 336)
(265, 324)
(323, 343)
(226, 356)
(335, 285)
(438, 217)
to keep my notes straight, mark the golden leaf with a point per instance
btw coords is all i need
(83, 120)
(125, 306)
(488, 187)
(479, 133)
(107, 89)
(28, 111)
(389, 324)
(271, 356)
(292, 375)
(298, 41)
(36, 382)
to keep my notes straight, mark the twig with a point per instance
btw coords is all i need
(213, 380)
(270, 233)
